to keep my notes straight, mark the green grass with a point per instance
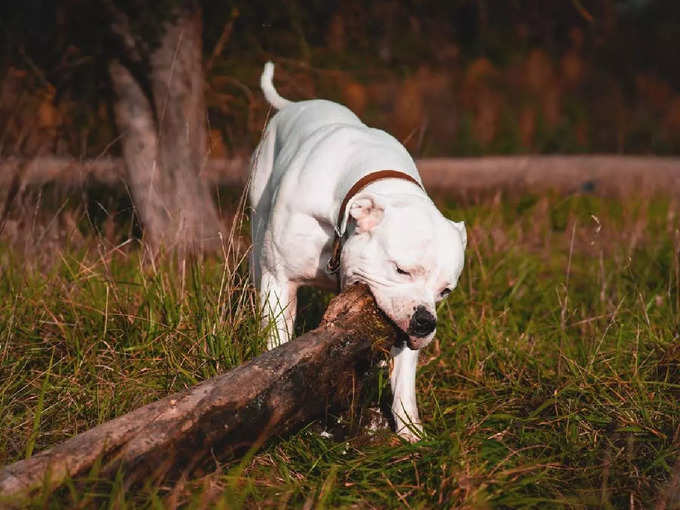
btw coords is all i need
(554, 380)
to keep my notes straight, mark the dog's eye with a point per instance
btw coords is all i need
(446, 292)
(401, 271)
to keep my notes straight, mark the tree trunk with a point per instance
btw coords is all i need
(164, 136)
(277, 392)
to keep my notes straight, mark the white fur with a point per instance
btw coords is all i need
(267, 85)
(311, 154)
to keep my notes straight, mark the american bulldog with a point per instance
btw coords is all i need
(336, 202)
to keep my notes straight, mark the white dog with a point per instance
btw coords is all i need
(336, 202)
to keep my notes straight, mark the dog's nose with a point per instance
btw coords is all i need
(422, 323)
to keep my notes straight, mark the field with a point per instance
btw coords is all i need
(554, 380)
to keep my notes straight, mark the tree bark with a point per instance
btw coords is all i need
(277, 392)
(151, 187)
(164, 134)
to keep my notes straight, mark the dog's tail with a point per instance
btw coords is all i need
(267, 85)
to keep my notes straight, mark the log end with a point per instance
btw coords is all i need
(356, 302)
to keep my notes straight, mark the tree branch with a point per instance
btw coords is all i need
(275, 393)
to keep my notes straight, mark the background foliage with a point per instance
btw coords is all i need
(461, 77)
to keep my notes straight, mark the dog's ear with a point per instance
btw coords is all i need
(366, 210)
(460, 227)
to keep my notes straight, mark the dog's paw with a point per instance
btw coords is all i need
(413, 432)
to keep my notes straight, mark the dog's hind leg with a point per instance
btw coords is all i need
(279, 302)
(261, 165)
(403, 382)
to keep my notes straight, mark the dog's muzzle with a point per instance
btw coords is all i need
(422, 323)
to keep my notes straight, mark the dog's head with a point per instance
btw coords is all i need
(408, 253)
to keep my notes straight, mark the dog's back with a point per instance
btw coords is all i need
(294, 122)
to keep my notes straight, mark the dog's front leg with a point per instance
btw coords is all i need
(279, 302)
(403, 381)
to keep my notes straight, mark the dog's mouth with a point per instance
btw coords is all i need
(403, 337)
(418, 343)
(409, 342)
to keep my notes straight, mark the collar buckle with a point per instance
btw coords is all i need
(333, 265)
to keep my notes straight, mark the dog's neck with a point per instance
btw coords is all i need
(386, 186)
(369, 179)
(391, 187)
(394, 180)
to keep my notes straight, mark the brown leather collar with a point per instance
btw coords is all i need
(334, 262)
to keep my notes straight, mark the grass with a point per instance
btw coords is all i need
(554, 380)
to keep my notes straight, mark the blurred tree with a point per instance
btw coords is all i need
(161, 116)
(574, 76)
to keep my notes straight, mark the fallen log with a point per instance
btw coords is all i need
(600, 173)
(275, 393)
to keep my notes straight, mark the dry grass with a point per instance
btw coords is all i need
(554, 381)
